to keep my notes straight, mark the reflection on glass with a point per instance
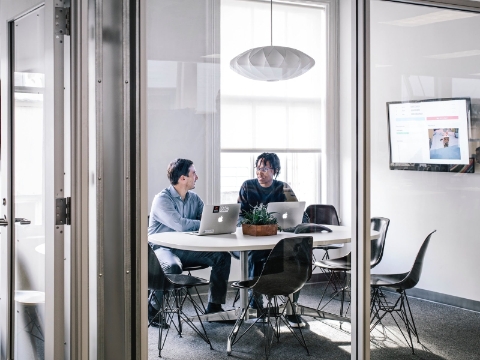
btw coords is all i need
(421, 53)
(29, 194)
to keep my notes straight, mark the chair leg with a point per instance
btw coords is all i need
(401, 307)
(185, 318)
(413, 327)
(340, 289)
(301, 338)
(268, 330)
(202, 309)
(164, 317)
(237, 297)
(232, 338)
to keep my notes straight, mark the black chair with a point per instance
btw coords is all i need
(324, 215)
(189, 270)
(287, 269)
(400, 283)
(343, 264)
(175, 291)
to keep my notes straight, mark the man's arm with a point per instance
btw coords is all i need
(164, 211)
(288, 192)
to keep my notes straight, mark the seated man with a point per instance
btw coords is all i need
(263, 190)
(176, 208)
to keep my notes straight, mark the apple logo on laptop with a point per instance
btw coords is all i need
(220, 219)
(285, 215)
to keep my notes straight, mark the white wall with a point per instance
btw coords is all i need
(347, 64)
(419, 202)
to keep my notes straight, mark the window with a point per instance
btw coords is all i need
(286, 117)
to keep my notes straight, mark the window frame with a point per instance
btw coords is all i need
(329, 158)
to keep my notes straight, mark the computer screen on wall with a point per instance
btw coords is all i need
(430, 135)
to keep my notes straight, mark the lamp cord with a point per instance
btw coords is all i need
(271, 22)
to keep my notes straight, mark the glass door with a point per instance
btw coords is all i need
(37, 203)
(29, 186)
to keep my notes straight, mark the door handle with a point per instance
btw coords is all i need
(4, 222)
(22, 221)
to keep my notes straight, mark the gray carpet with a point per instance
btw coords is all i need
(445, 333)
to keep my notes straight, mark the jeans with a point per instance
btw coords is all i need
(173, 260)
(256, 262)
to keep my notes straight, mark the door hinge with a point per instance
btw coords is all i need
(63, 209)
(62, 21)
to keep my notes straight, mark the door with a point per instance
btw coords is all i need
(33, 186)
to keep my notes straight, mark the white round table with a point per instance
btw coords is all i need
(240, 242)
(243, 243)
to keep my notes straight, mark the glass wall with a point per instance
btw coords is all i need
(199, 109)
(422, 53)
(29, 186)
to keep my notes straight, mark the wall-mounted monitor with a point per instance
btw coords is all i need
(430, 135)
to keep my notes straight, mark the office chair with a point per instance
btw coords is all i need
(343, 264)
(287, 269)
(400, 283)
(175, 291)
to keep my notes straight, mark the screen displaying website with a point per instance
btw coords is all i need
(429, 132)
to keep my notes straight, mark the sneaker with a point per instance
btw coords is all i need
(295, 321)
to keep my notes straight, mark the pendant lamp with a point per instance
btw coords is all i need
(271, 63)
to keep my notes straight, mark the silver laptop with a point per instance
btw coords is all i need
(288, 213)
(218, 219)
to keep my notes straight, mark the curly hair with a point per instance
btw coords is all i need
(272, 158)
(177, 168)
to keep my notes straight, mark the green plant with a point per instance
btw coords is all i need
(259, 216)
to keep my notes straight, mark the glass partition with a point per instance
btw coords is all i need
(421, 53)
(29, 186)
(199, 109)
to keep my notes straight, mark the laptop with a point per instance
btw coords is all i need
(288, 213)
(218, 219)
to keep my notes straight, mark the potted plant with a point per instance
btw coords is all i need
(259, 222)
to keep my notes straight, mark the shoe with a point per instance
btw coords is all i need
(153, 318)
(295, 321)
(213, 308)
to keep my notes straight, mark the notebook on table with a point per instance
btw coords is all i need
(218, 219)
(288, 213)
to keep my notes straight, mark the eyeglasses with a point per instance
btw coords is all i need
(263, 169)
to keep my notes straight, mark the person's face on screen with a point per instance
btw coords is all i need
(265, 173)
(192, 178)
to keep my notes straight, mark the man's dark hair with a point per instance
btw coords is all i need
(177, 168)
(273, 159)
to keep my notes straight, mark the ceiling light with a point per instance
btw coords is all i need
(431, 18)
(272, 63)
(458, 54)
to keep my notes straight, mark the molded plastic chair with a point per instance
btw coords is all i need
(287, 269)
(324, 215)
(400, 283)
(343, 264)
(175, 290)
(189, 270)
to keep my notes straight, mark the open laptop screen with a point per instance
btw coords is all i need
(288, 213)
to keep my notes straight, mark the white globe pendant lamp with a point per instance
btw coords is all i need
(272, 63)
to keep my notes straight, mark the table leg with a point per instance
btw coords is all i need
(244, 276)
